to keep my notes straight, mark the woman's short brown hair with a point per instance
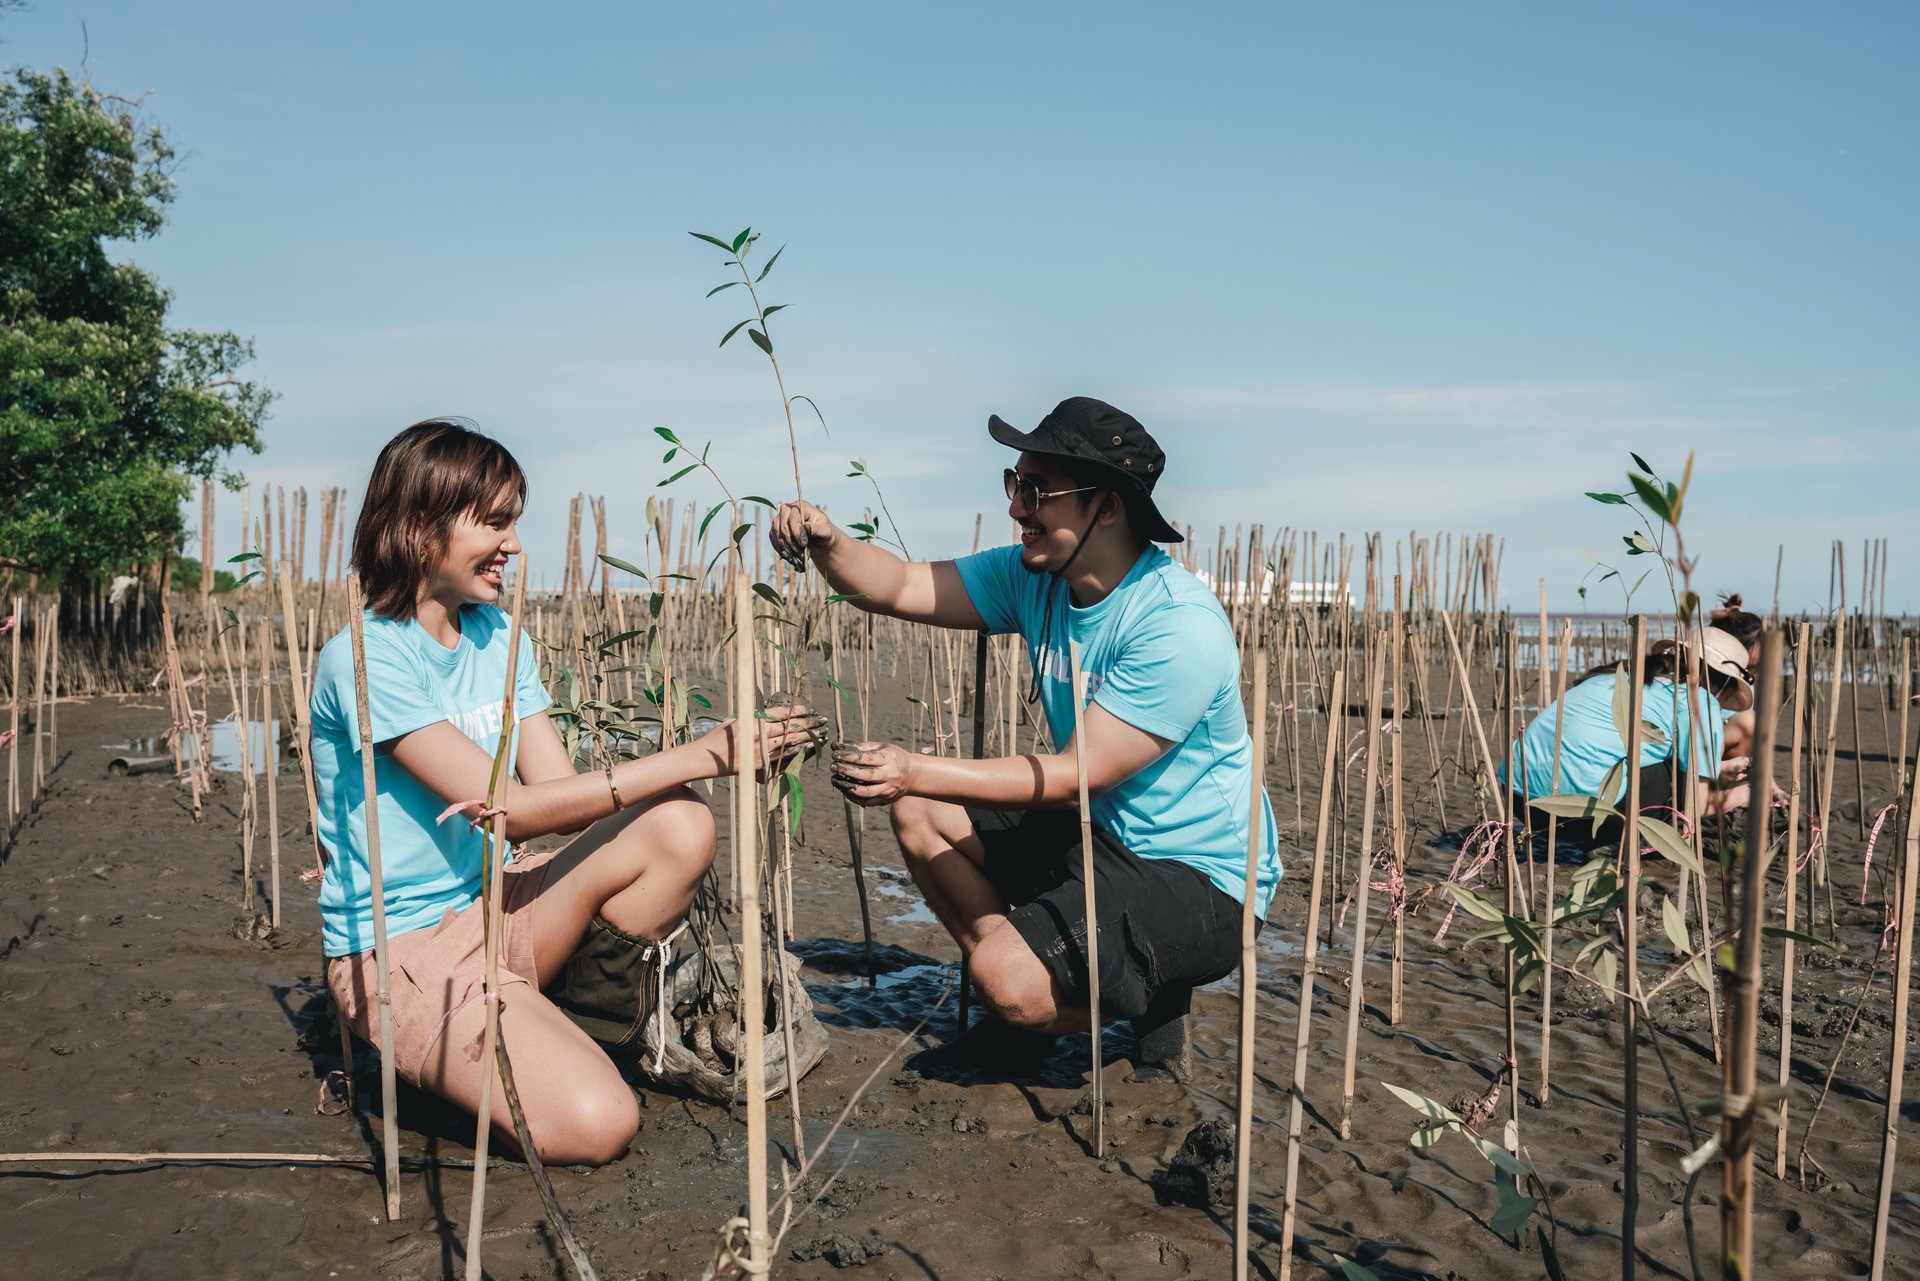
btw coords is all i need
(425, 479)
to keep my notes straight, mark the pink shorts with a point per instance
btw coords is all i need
(434, 972)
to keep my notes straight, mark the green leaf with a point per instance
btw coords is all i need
(1640, 545)
(712, 240)
(1352, 1271)
(677, 475)
(708, 519)
(1478, 906)
(243, 556)
(736, 329)
(1782, 932)
(668, 456)
(761, 341)
(1499, 1156)
(1515, 1209)
(717, 288)
(1725, 957)
(1655, 500)
(837, 597)
(1668, 843)
(741, 239)
(1613, 784)
(764, 502)
(739, 532)
(767, 593)
(1572, 806)
(1605, 969)
(768, 311)
(666, 434)
(1697, 969)
(1549, 1256)
(769, 267)
(1622, 703)
(1527, 975)
(1642, 463)
(1423, 1105)
(1607, 498)
(1675, 926)
(1428, 1135)
(1689, 602)
(616, 563)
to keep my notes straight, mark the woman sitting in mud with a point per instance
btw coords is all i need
(1591, 745)
(586, 928)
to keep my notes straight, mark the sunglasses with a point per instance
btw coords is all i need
(1028, 494)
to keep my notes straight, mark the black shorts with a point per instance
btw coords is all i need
(1162, 922)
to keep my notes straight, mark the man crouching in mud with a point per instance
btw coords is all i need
(995, 844)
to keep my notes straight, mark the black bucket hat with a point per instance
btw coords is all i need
(1092, 431)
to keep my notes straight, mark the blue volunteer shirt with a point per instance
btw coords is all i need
(1158, 653)
(1590, 743)
(412, 681)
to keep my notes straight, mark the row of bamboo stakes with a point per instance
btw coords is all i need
(1301, 629)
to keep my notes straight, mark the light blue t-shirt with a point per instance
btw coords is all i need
(1158, 653)
(412, 681)
(1590, 744)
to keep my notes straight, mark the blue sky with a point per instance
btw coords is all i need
(1359, 267)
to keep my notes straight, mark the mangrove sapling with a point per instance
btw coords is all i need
(737, 251)
(1509, 1160)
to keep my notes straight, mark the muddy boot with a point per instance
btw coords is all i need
(612, 983)
(1165, 1044)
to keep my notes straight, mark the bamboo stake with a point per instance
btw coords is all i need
(752, 994)
(1093, 919)
(493, 905)
(382, 953)
(1802, 677)
(299, 715)
(1630, 1010)
(270, 740)
(1546, 933)
(183, 713)
(1303, 1022)
(1396, 813)
(1896, 1055)
(1743, 1009)
(40, 708)
(1249, 975)
(1363, 871)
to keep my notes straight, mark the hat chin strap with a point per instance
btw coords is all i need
(1057, 576)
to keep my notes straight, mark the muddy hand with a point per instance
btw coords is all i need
(872, 773)
(796, 527)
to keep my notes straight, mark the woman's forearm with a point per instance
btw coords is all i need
(569, 804)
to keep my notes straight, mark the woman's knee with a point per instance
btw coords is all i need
(588, 1126)
(679, 826)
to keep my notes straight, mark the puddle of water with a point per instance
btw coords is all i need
(917, 909)
(263, 740)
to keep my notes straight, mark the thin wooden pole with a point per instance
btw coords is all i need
(493, 922)
(1630, 1009)
(270, 741)
(752, 994)
(1363, 872)
(1093, 919)
(299, 715)
(1249, 974)
(382, 953)
(1897, 1056)
(1743, 1009)
(1546, 933)
(1303, 1023)
(1802, 677)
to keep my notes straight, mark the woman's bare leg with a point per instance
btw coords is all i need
(578, 1110)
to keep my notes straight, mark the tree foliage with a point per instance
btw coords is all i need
(106, 413)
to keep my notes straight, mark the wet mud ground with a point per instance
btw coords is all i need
(141, 1009)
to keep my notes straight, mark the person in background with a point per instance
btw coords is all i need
(1591, 744)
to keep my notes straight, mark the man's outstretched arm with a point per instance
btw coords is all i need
(881, 773)
(876, 580)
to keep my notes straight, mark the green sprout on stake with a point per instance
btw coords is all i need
(1658, 504)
